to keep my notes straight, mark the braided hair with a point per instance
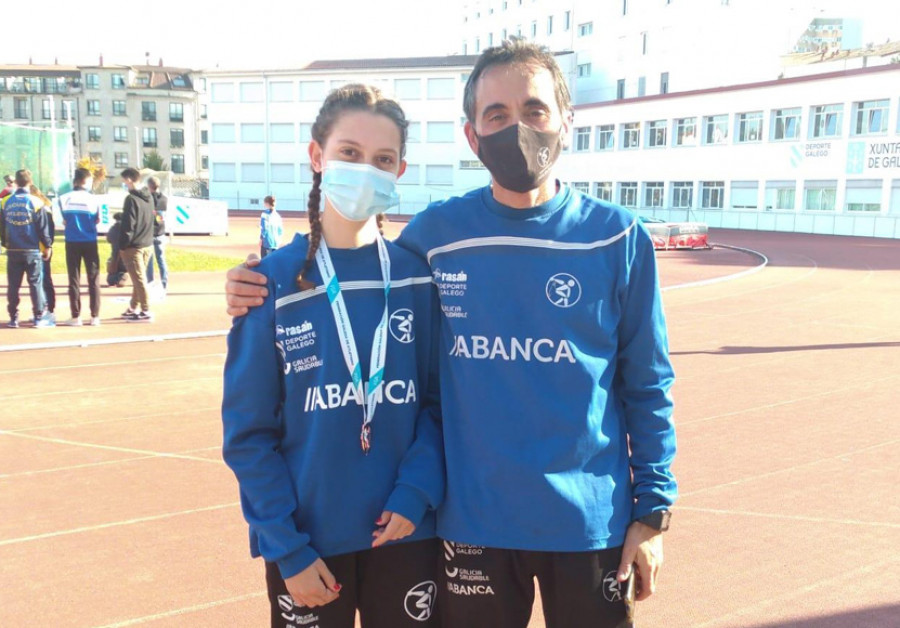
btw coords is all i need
(351, 97)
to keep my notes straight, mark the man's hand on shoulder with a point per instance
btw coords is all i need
(244, 288)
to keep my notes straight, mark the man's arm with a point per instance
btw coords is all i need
(244, 288)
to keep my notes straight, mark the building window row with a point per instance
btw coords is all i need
(442, 88)
(869, 118)
(438, 132)
(817, 195)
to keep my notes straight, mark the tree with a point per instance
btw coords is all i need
(154, 161)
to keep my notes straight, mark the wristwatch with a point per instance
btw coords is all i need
(658, 520)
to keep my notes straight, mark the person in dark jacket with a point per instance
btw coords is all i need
(115, 267)
(136, 244)
(47, 282)
(160, 202)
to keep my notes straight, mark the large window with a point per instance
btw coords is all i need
(176, 138)
(439, 132)
(222, 92)
(604, 191)
(253, 133)
(750, 127)
(408, 89)
(682, 194)
(20, 108)
(438, 175)
(686, 132)
(253, 173)
(412, 175)
(224, 172)
(870, 118)
(282, 173)
(281, 91)
(606, 137)
(826, 120)
(93, 133)
(118, 81)
(119, 108)
(712, 194)
(745, 194)
(121, 160)
(654, 194)
(93, 107)
(222, 132)
(305, 132)
(92, 81)
(46, 109)
(441, 88)
(148, 111)
(820, 195)
(176, 112)
(414, 132)
(863, 196)
(149, 137)
(584, 69)
(177, 162)
(582, 139)
(628, 194)
(585, 29)
(715, 129)
(120, 133)
(656, 133)
(281, 132)
(631, 135)
(581, 186)
(786, 124)
(312, 91)
(781, 195)
(252, 92)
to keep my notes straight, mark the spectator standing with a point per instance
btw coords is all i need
(115, 267)
(10, 186)
(47, 270)
(23, 229)
(135, 244)
(160, 202)
(81, 213)
(270, 228)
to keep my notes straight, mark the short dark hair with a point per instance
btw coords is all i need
(270, 200)
(81, 175)
(515, 51)
(23, 178)
(131, 174)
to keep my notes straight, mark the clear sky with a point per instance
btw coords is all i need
(233, 34)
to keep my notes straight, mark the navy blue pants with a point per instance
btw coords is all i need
(29, 265)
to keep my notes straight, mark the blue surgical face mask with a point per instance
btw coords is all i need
(358, 191)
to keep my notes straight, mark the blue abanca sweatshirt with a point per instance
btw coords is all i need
(554, 359)
(292, 419)
(81, 212)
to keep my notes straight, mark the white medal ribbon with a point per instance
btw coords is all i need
(368, 391)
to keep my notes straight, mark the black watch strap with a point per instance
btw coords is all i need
(658, 520)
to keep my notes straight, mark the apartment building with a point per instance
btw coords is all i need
(260, 123)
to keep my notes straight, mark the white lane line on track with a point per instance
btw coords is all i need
(774, 515)
(116, 524)
(126, 450)
(107, 364)
(68, 344)
(89, 465)
(118, 389)
(184, 611)
(135, 417)
(788, 402)
(811, 463)
(715, 280)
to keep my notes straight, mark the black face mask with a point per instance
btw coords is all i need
(519, 158)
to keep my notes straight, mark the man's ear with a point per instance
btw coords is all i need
(471, 136)
(565, 130)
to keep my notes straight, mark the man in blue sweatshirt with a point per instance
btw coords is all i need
(555, 374)
(24, 228)
(81, 213)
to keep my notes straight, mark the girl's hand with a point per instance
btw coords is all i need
(314, 586)
(391, 528)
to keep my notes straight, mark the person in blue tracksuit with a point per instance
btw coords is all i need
(271, 228)
(330, 407)
(554, 368)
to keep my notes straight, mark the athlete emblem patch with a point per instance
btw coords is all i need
(563, 290)
(419, 602)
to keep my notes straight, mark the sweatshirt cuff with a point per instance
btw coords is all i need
(408, 502)
(292, 564)
(648, 504)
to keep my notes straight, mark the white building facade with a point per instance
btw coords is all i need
(817, 154)
(260, 125)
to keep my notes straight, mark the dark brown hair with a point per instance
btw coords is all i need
(517, 51)
(270, 200)
(352, 97)
(23, 178)
(131, 174)
(81, 175)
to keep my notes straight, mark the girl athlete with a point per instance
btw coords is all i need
(331, 422)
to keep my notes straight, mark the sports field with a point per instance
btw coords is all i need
(117, 509)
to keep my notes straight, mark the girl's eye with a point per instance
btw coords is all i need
(384, 159)
(348, 152)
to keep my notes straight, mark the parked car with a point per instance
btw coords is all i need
(677, 235)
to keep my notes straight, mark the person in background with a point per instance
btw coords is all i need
(270, 228)
(25, 234)
(160, 202)
(9, 186)
(115, 267)
(136, 244)
(46, 261)
(81, 213)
